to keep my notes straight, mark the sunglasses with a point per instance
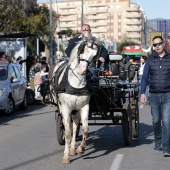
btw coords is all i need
(160, 43)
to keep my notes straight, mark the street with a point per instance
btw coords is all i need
(28, 142)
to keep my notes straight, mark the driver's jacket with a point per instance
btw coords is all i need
(73, 43)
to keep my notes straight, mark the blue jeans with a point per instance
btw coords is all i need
(160, 110)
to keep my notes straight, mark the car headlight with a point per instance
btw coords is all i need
(2, 91)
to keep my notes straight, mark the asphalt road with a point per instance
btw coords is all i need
(28, 142)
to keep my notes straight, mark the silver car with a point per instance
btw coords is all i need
(13, 88)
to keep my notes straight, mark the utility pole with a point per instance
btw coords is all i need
(51, 34)
(82, 13)
(58, 29)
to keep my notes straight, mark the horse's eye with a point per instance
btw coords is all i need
(95, 47)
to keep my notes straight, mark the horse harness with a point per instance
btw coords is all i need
(64, 86)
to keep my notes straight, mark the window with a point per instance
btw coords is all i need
(17, 72)
(12, 74)
(3, 73)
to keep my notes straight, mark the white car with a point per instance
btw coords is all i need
(13, 87)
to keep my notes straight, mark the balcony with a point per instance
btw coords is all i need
(132, 9)
(95, 11)
(133, 36)
(97, 5)
(99, 30)
(68, 25)
(133, 22)
(68, 18)
(97, 24)
(134, 16)
(99, 17)
(133, 29)
(67, 12)
(68, 7)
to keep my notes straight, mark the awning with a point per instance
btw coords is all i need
(132, 50)
(17, 35)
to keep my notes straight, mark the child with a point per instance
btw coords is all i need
(37, 81)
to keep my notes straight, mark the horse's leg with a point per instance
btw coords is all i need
(75, 118)
(84, 119)
(66, 121)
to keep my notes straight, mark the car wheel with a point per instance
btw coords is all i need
(23, 105)
(30, 96)
(10, 106)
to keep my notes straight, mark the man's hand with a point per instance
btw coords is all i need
(102, 59)
(143, 98)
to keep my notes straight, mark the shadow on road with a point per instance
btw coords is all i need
(17, 114)
(110, 138)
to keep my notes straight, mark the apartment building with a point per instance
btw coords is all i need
(117, 19)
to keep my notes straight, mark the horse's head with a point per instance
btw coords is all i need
(87, 52)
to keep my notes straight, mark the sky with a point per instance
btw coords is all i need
(152, 8)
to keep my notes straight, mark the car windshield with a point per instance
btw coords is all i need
(3, 73)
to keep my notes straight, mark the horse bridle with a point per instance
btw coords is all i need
(81, 49)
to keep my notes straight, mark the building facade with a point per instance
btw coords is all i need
(164, 26)
(118, 20)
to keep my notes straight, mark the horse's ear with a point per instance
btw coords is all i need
(101, 37)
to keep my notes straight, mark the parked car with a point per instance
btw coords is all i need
(13, 88)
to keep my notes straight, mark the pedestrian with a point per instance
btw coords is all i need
(38, 80)
(3, 57)
(32, 74)
(19, 63)
(140, 73)
(29, 63)
(50, 76)
(85, 28)
(157, 70)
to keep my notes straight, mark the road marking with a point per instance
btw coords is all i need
(116, 162)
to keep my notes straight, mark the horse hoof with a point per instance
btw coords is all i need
(72, 152)
(66, 161)
(80, 150)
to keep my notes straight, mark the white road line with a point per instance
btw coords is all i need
(116, 162)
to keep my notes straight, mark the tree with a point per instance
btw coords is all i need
(34, 20)
(66, 34)
(12, 13)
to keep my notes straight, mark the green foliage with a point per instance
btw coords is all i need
(34, 19)
(121, 45)
(10, 18)
(67, 33)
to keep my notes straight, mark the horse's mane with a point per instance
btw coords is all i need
(75, 49)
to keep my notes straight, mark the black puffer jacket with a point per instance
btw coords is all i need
(157, 70)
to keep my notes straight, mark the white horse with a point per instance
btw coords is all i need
(76, 97)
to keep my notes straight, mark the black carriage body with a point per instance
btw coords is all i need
(116, 100)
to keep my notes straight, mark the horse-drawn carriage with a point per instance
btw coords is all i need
(106, 97)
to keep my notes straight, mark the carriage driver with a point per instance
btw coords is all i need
(73, 43)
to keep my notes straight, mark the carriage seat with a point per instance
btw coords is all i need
(111, 79)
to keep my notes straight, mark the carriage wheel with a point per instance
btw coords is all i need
(127, 124)
(60, 129)
(135, 119)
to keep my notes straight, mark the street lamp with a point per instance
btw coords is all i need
(51, 34)
(82, 19)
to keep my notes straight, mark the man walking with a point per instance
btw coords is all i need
(157, 71)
